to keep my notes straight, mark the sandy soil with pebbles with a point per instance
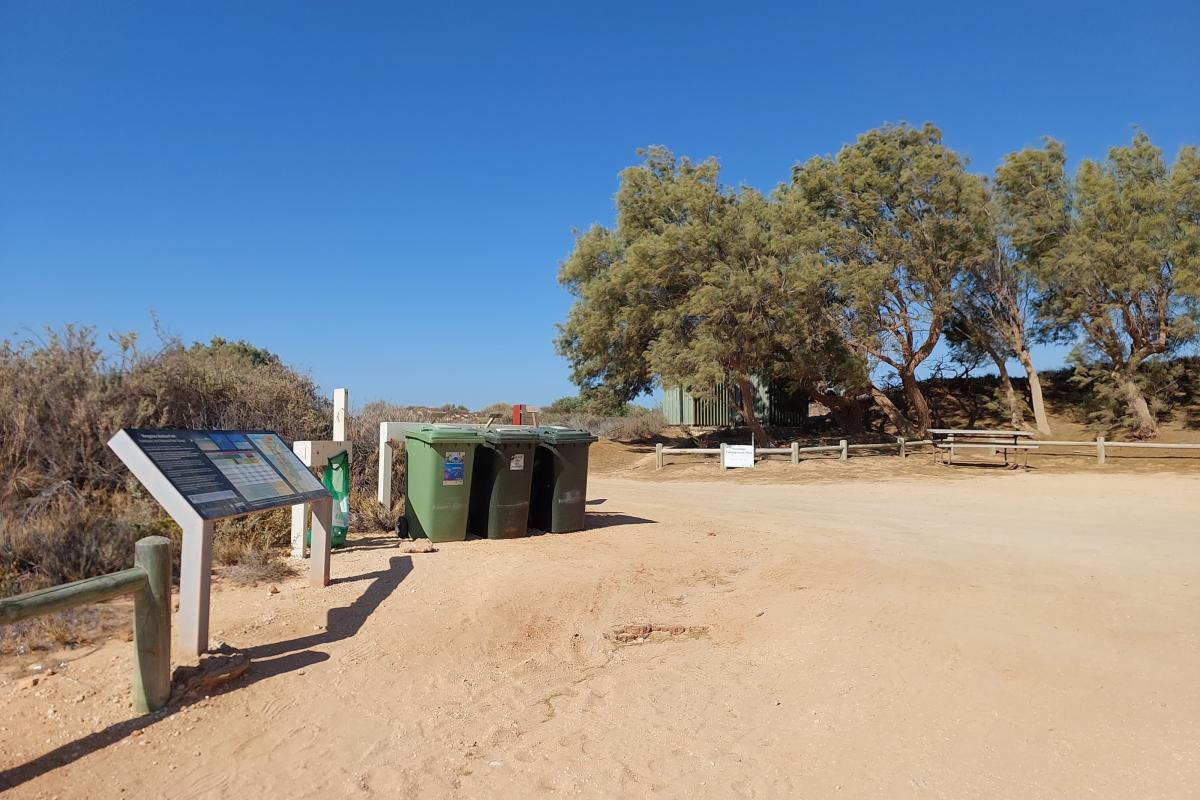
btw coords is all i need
(990, 634)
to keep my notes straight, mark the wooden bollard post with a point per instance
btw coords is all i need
(845, 450)
(152, 625)
(795, 452)
(658, 456)
(1099, 449)
(722, 456)
(900, 441)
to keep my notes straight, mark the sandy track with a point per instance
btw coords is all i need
(1010, 635)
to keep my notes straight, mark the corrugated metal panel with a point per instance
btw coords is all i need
(673, 405)
(772, 405)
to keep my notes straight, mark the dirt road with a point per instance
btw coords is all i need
(1006, 635)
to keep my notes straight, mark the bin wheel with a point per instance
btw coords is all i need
(402, 528)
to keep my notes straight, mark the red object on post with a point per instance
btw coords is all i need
(517, 409)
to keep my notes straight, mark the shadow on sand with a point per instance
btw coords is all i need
(601, 519)
(277, 658)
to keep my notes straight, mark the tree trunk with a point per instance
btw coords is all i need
(845, 409)
(1035, 391)
(847, 413)
(1144, 425)
(917, 402)
(1016, 416)
(761, 439)
(901, 423)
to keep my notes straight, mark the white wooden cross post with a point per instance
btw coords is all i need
(317, 454)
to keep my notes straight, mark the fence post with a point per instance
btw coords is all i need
(845, 450)
(722, 456)
(658, 456)
(795, 452)
(152, 625)
(1099, 449)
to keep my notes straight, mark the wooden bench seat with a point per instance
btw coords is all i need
(996, 446)
(947, 440)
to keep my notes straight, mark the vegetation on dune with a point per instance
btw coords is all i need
(844, 280)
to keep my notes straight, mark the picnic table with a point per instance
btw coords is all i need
(946, 441)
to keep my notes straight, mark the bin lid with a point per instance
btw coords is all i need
(515, 434)
(433, 435)
(556, 435)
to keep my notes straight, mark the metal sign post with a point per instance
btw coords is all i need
(201, 476)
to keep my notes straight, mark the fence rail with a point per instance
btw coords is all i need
(1100, 444)
(149, 581)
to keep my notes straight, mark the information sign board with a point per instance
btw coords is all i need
(739, 456)
(227, 473)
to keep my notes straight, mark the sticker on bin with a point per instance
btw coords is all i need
(455, 469)
(517, 462)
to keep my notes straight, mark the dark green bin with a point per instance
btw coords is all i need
(500, 485)
(558, 497)
(437, 481)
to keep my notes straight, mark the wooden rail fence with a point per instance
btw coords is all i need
(149, 581)
(843, 449)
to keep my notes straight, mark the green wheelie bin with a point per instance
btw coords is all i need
(500, 485)
(437, 482)
(558, 497)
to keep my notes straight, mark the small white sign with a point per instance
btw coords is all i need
(739, 456)
(517, 462)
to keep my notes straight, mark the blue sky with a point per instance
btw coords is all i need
(381, 193)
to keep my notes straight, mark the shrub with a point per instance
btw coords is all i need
(638, 427)
(68, 509)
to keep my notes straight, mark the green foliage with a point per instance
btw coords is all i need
(897, 221)
(1104, 405)
(1117, 252)
(571, 404)
(624, 279)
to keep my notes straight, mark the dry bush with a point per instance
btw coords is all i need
(92, 537)
(237, 540)
(64, 629)
(638, 427)
(62, 399)
(501, 411)
(68, 508)
(259, 566)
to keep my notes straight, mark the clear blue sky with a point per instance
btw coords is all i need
(381, 192)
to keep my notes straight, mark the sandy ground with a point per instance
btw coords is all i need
(990, 634)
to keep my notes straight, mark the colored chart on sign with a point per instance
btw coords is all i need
(285, 461)
(252, 477)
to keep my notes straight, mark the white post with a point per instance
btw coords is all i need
(795, 452)
(341, 408)
(322, 524)
(385, 468)
(194, 582)
(722, 456)
(658, 456)
(1099, 449)
(903, 451)
(845, 451)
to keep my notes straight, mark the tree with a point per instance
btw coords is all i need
(1116, 253)
(897, 221)
(622, 284)
(991, 319)
(735, 319)
(685, 289)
